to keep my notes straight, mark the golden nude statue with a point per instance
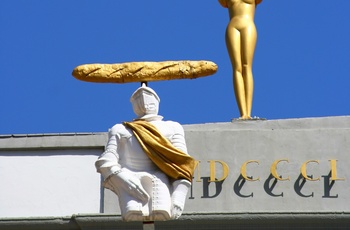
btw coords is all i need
(241, 39)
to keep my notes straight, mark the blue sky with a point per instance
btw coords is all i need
(301, 65)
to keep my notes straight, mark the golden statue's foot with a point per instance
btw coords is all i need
(246, 118)
(242, 118)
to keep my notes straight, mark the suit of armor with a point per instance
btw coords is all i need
(144, 191)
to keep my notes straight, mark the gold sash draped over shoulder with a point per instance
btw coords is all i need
(172, 161)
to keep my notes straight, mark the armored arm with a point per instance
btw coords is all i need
(108, 163)
(180, 187)
(178, 137)
(115, 178)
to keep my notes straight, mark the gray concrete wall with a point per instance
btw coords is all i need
(295, 141)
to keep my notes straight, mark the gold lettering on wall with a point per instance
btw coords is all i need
(244, 171)
(273, 170)
(334, 171)
(197, 166)
(303, 170)
(225, 170)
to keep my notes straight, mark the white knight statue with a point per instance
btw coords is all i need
(146, 164)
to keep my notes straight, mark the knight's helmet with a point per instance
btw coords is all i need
(145, 102)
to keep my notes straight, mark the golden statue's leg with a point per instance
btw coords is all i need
(233, 44)
(249, 37)
(239, 89)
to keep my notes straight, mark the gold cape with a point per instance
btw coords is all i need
(172, 161)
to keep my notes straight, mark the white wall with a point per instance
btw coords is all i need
(48, 183)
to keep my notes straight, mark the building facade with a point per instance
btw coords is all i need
(263, 174)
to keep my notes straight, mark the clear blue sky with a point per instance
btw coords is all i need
(301, 65)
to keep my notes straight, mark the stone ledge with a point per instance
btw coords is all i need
(302, 220)
(338, 122)
(52, 141)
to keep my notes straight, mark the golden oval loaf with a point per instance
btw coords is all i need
(144, 71)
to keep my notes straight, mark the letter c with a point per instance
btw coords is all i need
(244, 171)
(273, 170)
(303, 170)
